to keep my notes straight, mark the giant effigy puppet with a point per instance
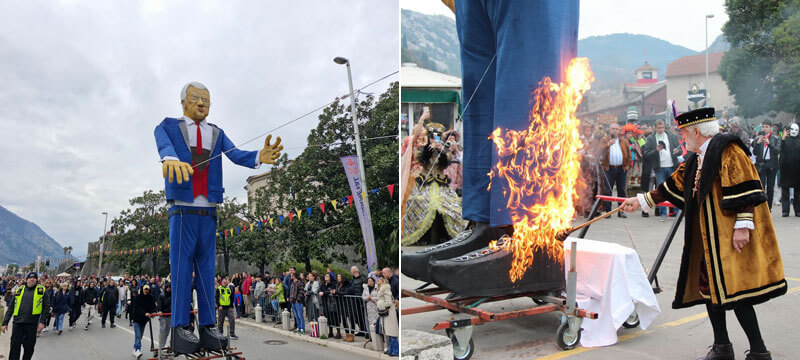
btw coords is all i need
(191, 151)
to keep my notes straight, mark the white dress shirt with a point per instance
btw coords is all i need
(665, 161)
(615, 154)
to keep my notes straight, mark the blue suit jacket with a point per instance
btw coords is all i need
(172, 140)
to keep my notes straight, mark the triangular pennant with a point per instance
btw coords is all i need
(350, 200)
(322, 207)
(391, 190)
(297, 211)
(333, 202)
(259, 225)
(291, 216)
(270, 222)
(253, 226)
(374, 191)
(280, 218)
(226, 233)
(308, 210)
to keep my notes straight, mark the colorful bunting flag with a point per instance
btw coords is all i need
(391, 190)
(322, 207)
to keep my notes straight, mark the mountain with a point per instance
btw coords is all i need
(430, 41)
(20, 239)
(614, 57)
(718, 45)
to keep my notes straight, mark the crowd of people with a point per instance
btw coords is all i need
(352, 304)
(641, 157)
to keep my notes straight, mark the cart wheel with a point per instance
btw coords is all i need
(538, 302)
(464, 353)
(632, 322)
(448, 297)
(565, 339)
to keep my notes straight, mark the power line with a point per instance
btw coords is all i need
(292, 121)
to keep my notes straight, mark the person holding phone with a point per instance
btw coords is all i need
(615, 162)
(767, 149)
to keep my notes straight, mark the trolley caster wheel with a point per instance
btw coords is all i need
(451, 296)
(566, 339)
(461, 353)
(538, 302)
(632, 322)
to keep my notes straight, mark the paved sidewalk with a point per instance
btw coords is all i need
(359, 346)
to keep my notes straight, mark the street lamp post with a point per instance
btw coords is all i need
(709, 16)
(102, 244)
(354, 113)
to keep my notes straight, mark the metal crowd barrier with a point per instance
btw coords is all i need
(348, 313)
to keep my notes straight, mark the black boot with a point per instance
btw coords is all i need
(211, 339)
(485, 272)
(758, 356)
(184, 341)
(415, 265)
(719, 352)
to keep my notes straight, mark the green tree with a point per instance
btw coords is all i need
(317, 175)
(146, 224)
(762, 69)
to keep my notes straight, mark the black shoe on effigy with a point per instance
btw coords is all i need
(211, 339)
(415, 264)
(758, 356)
(719, 352)
(184, 341)
(485, 272)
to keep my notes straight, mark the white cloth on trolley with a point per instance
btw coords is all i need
(612, 283)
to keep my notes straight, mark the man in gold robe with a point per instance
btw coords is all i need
(730, 255)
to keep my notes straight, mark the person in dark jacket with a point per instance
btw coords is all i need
(297, 298)
(75, 303)
(662, 163)
(342, 287)
(767, 149)
(143, 306)
(223, 296)
(61, 307)
(164, 304)
(90, 299)
(108, 298)
(790, 169)
(51, 293)
(28, 307)
(328, 304)
(358, 309)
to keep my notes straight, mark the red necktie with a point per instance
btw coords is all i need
(200, 178)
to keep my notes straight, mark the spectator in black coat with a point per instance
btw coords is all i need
(143, 306)
(109, 298)
(164, 304)
(90, 299)
(358, 309)
(61, 306)
(76, 301)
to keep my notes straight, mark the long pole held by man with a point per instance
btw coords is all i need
(29, 313)
(730, 258)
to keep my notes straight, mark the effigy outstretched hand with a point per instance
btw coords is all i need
(271, 152)
(176, 169)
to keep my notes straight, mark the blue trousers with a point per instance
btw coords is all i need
(138, 330)
(192, 248)
(394, 347)
(531, 39)
(661, 175)
(60, 321)
(298, 316)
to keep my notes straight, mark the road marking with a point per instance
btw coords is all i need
(695, 317)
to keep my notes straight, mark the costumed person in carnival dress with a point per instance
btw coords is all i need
(507, 48)
(730, 257)
(433, 210)
(190, 150)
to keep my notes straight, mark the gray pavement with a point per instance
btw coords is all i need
(675, 334)
(117, 343)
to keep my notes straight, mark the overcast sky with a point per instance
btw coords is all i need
(85, 82)
(680, 22)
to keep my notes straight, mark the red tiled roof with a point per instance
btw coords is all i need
(694, 64)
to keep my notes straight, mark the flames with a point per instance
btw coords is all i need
(539, 167)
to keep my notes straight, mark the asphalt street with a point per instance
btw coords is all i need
(117, 343)
(675, 334)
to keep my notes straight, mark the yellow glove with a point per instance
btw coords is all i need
(180, 169)
(270, 153)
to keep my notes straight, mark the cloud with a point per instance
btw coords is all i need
(84, 84)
